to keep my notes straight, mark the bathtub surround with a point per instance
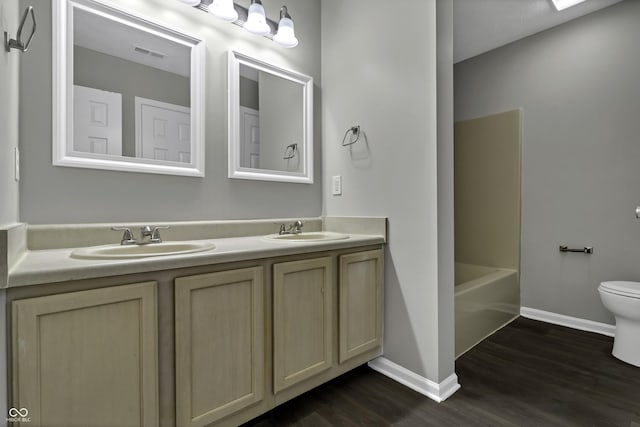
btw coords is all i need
(487, 225)
(404, 112)
(487, 190)
(577, 85)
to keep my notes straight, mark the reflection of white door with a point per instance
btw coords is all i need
(97, 121)
(249, 138)
(163, 131)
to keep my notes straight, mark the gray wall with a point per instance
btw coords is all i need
(64, 195)
(578, 87)
(381, 74)
(281, 106)
(445, 177)
(9, 79)
(249, 96)
(100, 71)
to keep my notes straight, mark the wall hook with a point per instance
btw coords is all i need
(17, 43)
(291, 151)
(355, 132)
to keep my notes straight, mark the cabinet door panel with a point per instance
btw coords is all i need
(219, 344)
(302, 320)
(87, 358)
(360, 302)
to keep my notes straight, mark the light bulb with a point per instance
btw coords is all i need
(257, 21)
(285, 36)
(223, 9)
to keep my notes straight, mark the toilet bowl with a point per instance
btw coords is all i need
(622, 299)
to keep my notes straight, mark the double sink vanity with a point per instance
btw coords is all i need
(215, 325)
(186, 323)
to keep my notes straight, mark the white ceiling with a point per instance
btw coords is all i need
(482, 25)
(95, 32)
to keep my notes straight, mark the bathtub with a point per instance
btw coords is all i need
(486, 299)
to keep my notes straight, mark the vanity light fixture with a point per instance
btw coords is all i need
(254, 19)
(563, 4)
(257, 20)
(224, 10)
(285, 36)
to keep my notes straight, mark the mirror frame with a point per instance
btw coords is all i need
(306, 82)
(62, 59)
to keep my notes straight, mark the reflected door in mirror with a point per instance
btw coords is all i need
(162, 131)
(97, 128)
(250, 138)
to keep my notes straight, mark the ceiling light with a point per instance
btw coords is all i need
(256, 20)
(563, 4)
(223, 9)
(285, 36)
(191, 2)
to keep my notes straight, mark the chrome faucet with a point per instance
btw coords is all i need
(295, 228)
(127, 236)
(150, 235)
(147, 235)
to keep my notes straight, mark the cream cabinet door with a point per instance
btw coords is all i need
(87, 358)
(302, 312)
(360, 303)
(219, 344)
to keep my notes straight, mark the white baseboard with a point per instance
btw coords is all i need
(568, 321)
(435, 391)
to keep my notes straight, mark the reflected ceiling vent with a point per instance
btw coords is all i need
(145, 51)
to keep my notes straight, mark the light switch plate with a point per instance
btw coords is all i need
(16, 158)
(337, 185)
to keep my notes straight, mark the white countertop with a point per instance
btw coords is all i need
(55, 265)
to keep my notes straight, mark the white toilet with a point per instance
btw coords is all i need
(622, 299)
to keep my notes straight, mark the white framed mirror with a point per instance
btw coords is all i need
(270, 122)
(128, 91)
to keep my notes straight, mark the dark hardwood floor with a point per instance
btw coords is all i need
(527, 374)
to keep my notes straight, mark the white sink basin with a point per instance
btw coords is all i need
(116, 251)
(313, 236)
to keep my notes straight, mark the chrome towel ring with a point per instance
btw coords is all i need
(17, 43)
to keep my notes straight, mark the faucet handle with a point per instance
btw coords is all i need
(155, 234)
(127, 236)
(297, 227)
